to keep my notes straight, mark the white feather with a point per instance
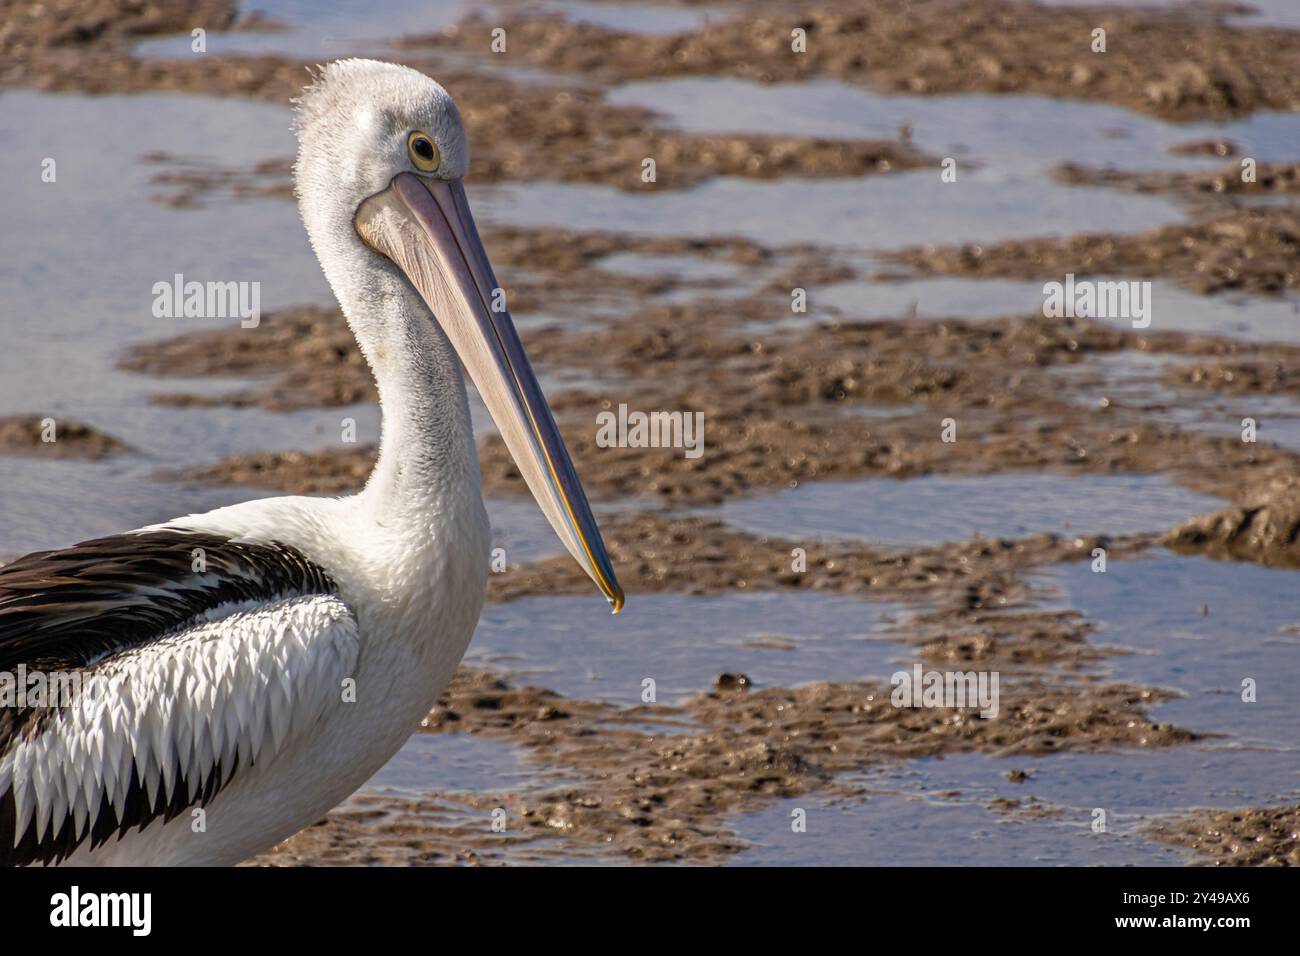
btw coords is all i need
(409, 554)
(177, 720)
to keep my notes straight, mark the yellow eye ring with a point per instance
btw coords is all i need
(423, 152)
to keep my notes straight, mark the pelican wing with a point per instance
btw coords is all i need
(140, 673)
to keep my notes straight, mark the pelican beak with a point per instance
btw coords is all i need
(425, 227)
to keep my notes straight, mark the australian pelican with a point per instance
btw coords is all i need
(244, 670)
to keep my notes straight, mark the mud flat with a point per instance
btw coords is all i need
(694, 555)
(1175, 64)
(85, 46)
(39, 36)
(310, 351)
(1248, 250)
(1270, 179)
(658, 783)
(1266, 530)
(748, 458)
(26, 435)
(381, 830)
(778, 408)
(1271, 375)
(1184, 65)
(526, 133)
(187, 182)
(567, 134)
(1268, 836)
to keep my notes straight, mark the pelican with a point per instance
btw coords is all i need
(227, 678)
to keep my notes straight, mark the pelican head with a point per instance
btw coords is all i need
(382, 157)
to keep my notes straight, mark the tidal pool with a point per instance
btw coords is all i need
(940, 508)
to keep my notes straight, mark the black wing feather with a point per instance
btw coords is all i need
(70, 610)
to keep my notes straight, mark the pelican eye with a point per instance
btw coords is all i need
(424, 154)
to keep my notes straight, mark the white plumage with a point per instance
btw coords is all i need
(231, 687)
(255, 664)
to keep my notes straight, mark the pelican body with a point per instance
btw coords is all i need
(232, 676)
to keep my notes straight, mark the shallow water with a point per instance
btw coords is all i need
(695, 268)
(322, 30)
(1251, 318)
(366, 26)
(940, 508)
(1201, 627)
(54, 503)
(1132, 783)
(1012, 135)
(908, 830)
(521, 530)
(452, 762)
(1015, 140)
(879, 212)
(935, 298)
(1134, 382)
(1282, 13)
(633, 17)
(1277, 420)
(78, 262)
(934, 811)
(572, 645)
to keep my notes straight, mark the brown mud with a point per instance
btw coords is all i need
(1172, 63)
(1176, 64)
(777, 408)
(310, 351)
(1254, 250)
(187, 182)
(665, 795)
(41, 37)
(1271, 375)
(1206, 147)
(26, 435)
(1267, 179)
(1269, 836)
(696, 555)
(1266, 529)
